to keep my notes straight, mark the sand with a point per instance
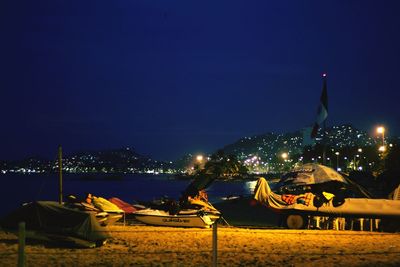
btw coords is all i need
(166, 246)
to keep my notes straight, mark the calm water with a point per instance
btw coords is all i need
(18, 189)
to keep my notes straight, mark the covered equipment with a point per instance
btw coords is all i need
(352, 207)
(50, 221)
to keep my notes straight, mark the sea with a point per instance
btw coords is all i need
(17, 189)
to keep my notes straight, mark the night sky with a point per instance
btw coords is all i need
(175, 77)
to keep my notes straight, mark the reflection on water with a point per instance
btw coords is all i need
(249, 186)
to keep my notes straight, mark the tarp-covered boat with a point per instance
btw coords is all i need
(106, 212)
(50, 221)
(357, 207)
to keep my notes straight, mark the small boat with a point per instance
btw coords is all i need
(105, 212)
(184, 218)
(52, 222)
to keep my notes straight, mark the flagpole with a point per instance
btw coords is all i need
(324, 124)
(322, 114)
(324, 144)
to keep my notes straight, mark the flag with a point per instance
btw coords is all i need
(307, 140)
(322, 112)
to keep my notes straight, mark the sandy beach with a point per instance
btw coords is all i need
(168, 246)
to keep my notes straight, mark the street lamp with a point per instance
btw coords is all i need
(199, 158)
(381, 130)
(285, 157)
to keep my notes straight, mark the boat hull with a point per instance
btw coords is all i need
(155, 217)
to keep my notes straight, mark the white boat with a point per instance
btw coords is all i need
(185, 218)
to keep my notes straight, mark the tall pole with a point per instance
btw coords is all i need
(60, 174)
(324, 144)
(323, 114)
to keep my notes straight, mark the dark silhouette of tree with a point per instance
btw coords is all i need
(222, 165)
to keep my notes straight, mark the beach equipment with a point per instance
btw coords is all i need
(245, 211)
(105, 212)
(126, 207)
(52, 222)
(193, 212)
(312, 177)
(316, 178)
(312, 173)
(184, 218)
(113, 211)
(348, 207)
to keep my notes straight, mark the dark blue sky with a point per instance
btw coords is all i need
(172, 77)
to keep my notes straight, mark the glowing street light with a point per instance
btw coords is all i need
(285, 157)
(199, 158)
(381, 130)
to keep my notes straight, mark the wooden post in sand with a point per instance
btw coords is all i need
(214, 244)
(21, 244)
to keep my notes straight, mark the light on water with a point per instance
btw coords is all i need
(250, 185)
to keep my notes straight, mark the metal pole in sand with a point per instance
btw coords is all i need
(60, 174)
(21, 244)
(214, 244)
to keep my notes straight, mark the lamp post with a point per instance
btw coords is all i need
(197, 163)
(359, 156)
(285, 157)
(337, 160)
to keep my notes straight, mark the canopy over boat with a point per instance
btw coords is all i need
(312, 173)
